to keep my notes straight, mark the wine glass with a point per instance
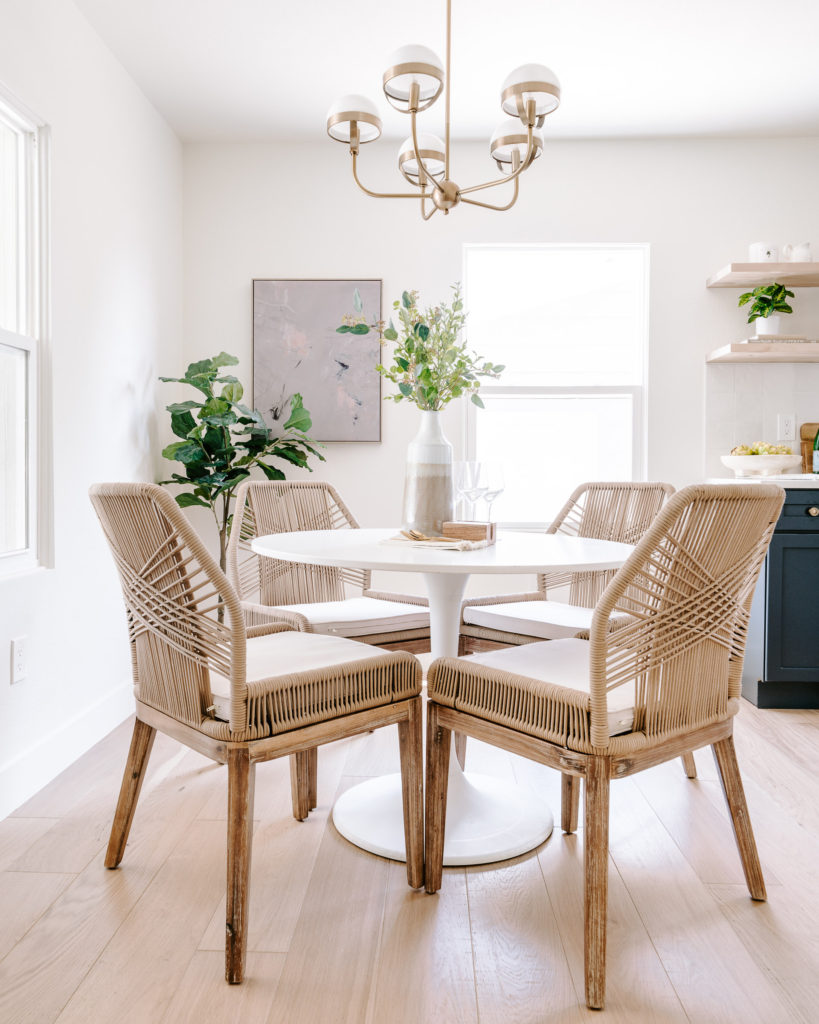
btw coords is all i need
(491, 477)
(468, 485)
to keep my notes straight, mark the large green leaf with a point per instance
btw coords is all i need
(186, 500)
(271, 472)
(233, 391)
(182, 423)
(361, 329)
(202, 368)
(224, 359)
(182, 406)
(299, 418)
(170, 451)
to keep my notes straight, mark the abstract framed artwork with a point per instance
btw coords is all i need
(296, 349)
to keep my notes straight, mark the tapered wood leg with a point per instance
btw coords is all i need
(412, 791)
(142, 741)
(569, 802)
(241, 785)
(300, 783)
(596, 862)
(312, 777)
(726, 758)
(460, 749)
(689, 764)
(438, 742)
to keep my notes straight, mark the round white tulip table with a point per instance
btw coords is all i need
(487, 819)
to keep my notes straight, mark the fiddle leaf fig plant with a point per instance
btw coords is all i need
(222, 440)
(767, 300)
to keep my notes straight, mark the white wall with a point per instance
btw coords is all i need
(116, 291)
(274, 211)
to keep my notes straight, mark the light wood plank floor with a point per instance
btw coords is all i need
(336, 935)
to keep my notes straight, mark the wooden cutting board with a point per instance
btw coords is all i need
(807, 432)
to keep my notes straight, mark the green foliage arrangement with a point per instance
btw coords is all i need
(222, 440)
(429, 365)
(767, 300)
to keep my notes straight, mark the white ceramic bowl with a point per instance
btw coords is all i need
(760, 465)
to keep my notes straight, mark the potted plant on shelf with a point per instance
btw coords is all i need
(767, 302)
(223, 440)
(430, 366)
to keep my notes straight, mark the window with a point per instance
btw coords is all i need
(570, 325)
(22, 222)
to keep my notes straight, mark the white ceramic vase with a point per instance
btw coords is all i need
(429, 492)
(766, 325)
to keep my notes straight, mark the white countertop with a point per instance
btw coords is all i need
(789, 480)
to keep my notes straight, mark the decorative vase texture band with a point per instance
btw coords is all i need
(429, 491)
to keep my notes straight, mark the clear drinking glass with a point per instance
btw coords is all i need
(491, 477)
(468, 485)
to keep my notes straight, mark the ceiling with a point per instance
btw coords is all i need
(265, 69)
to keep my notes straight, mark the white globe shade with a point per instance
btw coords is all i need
(353, 108)
(531, 81)
(511, 136)
(431, 151)
(410, 64)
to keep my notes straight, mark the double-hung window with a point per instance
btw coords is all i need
(570, 325)
(22, 207)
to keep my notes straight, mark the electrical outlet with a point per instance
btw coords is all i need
(18, 658)
(786, 426)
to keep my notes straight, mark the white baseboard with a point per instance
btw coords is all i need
(30, 771)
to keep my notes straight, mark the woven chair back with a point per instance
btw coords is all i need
(620, 511)
(174, 592)
(267, 507)
(688, 588)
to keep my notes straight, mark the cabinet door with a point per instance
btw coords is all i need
(792, 648)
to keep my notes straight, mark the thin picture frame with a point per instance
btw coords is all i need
(296, 349)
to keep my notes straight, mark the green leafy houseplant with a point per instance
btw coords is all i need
(429, 365)
(222, 441)
(767, 300)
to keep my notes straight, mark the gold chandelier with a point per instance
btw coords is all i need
(412, 82)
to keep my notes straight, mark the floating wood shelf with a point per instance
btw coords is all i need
(749, 275)
(766, 352)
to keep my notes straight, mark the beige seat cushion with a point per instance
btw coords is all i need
(359, 616)
(287, 653)
(551, 620)
(562, 663)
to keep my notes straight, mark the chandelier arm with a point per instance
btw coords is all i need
(489, 206)
(379, 195)
(422, 169)
(527, 160)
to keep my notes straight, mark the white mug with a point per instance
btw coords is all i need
(799, 253)
(762, 252)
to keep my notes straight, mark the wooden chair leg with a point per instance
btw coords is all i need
(689, 764)
(300, 783)
(438, 743)
(312, 776)
(241, 786)
(596, 862)
(726, 758)
(142, 741)
(412, 790)
(569, 802)
(460, 749)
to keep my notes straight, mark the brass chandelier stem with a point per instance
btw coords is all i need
(378, 195)
(447, 80)
(491, 206)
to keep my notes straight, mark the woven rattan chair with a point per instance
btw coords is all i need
(663, 684)
(620, 511)
(240, 695)
(313, 598)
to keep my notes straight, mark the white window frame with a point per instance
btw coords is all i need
(33, 333)
(638, 392)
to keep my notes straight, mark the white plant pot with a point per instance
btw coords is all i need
(768, 325)
(429, 492)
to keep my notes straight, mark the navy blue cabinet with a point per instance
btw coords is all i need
(782, 659)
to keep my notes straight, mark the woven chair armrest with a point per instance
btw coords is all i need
(382, 595)
(532, 595)
(614, 625)
(270, 627)
(295, 620)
